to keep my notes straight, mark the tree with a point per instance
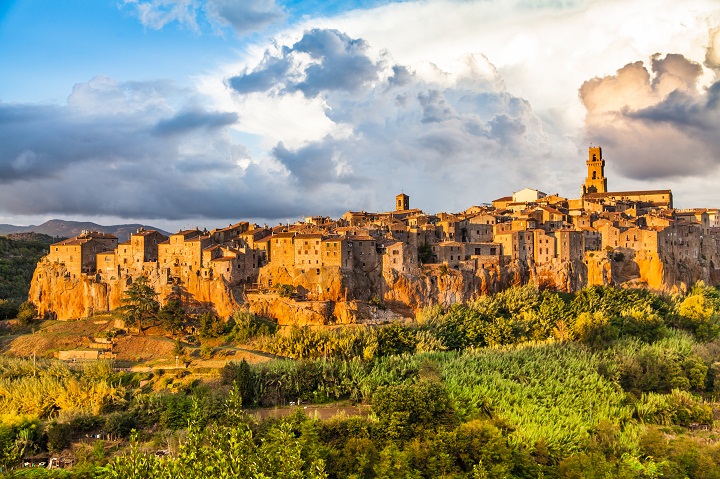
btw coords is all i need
(172, 315)
(140, 306)
(425, 254)
(27, 312)
(8, 309)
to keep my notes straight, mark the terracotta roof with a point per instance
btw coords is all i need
(223, 258)
(284, 234)
(97, 235)
(333, 238)
(71, 242)
(255, 231)
(627, 193)
(309, 235)
(146, 233)
(361, 238)
(449, 243)
(186, 233)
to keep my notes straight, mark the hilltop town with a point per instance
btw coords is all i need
(369, 266)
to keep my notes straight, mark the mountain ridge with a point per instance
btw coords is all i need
(58, 228)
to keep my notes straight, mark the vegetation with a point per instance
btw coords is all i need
(522, 384)
(140, 307)
(18, 258)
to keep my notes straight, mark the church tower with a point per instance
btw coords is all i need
(402, 202)
(595, 181)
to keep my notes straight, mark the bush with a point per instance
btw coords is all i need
(405, 410)
(246, 326)
(285, 290)
(120, 423)
(211, 326)
(59, 436)
(27, 312)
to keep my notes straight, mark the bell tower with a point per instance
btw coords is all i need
(595, 181)
(402, 202)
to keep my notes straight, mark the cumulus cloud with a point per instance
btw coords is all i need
(153, 150)
(322, 60)
(244, 17)
(133, 150)
(447, 135)
(656, 118)
(189, 120)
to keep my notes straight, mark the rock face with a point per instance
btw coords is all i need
(61, 296)
(338, 296)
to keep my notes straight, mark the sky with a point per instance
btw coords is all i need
(183, 113)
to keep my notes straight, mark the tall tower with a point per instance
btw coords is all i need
(402, 202)
(595, 181)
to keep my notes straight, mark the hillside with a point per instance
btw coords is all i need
(69, 229)
(18, 258)
(605, 382)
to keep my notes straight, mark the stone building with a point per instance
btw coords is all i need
(450, 253)
(544, 246)
(570, 245)
(79, 254)
(181, 254)
(397, 255)
(141, 248)
(517, 245)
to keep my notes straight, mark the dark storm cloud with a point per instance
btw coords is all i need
(337, 62)
(194, 119)
(312, 164)
(658, 121)
(122, 150)
(39, 141)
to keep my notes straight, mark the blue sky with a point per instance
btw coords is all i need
(185, 112)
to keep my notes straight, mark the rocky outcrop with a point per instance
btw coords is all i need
(335, 296)
(63, 296)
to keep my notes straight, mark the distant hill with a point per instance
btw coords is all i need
(33, 237)
(69, 229)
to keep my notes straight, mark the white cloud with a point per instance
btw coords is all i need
(246, 16)
(456, 102)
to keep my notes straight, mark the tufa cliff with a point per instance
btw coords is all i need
(339, 296)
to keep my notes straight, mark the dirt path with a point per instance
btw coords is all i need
(323, 412)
